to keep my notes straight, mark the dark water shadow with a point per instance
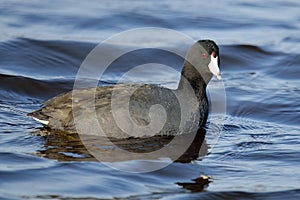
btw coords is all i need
(64, 146)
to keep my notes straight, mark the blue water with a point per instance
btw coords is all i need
(42, 45)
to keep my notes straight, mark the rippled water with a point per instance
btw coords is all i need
(257, 155)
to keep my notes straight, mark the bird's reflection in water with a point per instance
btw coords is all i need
(63, 146)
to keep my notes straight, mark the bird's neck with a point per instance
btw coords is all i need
(190, 77)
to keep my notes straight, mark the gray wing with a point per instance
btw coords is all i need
(88, 104)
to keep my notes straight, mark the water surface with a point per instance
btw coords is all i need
(257, 155)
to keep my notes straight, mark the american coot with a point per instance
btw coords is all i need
(126, 110)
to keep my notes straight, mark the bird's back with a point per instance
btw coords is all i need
(124, 111)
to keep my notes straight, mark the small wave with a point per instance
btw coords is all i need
(19, 87)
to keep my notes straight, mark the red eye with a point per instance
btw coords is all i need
(203, 55)
(214, 54)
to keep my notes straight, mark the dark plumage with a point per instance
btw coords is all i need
(183, 112)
